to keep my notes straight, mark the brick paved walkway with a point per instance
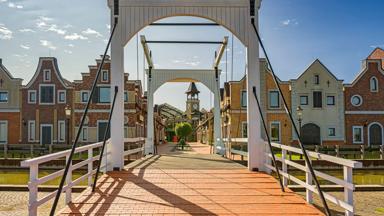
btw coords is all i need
(188, 183)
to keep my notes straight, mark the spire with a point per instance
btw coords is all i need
(192, 90)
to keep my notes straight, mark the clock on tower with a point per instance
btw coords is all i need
(193, 102)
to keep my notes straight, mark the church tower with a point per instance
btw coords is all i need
(193, 102)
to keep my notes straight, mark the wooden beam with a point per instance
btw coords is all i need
(220, 52)
(146, 51)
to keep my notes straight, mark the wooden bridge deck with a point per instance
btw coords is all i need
(188, 184)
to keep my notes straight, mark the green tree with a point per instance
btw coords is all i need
(183, 129)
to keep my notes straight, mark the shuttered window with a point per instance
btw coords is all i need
(317, 99)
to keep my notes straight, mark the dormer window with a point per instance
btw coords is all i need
(104, 76)
(374, 85)
(47, 75)
(316, 79)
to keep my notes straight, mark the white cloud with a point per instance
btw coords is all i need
(71, 45)
(43, 23)
(5, 33)
(25, 30)
(75, 36)
(3, 0)
(54, 28)
(13, 5)
(90, 31)
(27, 47)
(68, 51)
(184, 62)
(47, 44)
(288, 22)
(108, 26)
(46, 19)
(376, 45)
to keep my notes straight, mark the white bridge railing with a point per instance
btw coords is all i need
(346, 182)
(35, 180)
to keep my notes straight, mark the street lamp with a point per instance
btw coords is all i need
(299, 111)
(68, 112)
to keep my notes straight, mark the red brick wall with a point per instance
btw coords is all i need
(13, 126)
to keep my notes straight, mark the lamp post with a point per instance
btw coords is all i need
(299, 111)
(68, 112)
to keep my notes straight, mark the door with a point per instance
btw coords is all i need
(310, 134)
(375, 135)
(3, 132)
(102, 127)
(46, 134)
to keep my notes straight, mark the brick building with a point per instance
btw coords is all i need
(45, 98)
(364, 110)
(278, 122)
(10, 106)
(97, 118)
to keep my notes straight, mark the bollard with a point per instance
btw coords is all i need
(337, 151)
(31, 149)
(382, 152)
(362, 151)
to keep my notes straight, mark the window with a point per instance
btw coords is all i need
(31, 131)
(47, 94)
(3, 132)
(3, 97)
(244, 130)
(125, 132)
(316, 79)
(317, 99)
(104, 95)
(61, 131)
(84, 96)
(31, 96)
(104, 76)
(275, 131)
(84, 134)
(356, 100)
(303, 100)
(61, 96)
(274, 99)
(47, 75)
(357, 134)
(125, 96)
(331, 100)
(331, 132)
(374, 84)
(243, 99)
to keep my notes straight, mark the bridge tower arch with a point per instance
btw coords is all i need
(234, 15)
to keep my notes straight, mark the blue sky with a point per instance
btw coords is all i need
(295, 32)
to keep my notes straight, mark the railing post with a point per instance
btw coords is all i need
(50, 149)
(382, 152)
(362, 150)
(284, 166)
(33, 189)
(308, 181)
(5, 151)
(68, 192)
(348, 193)
(337, 151)
(90, 166)
(31, 149)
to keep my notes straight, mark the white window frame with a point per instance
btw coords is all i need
(377, 84)
(242, 99)
(306, 96)
(81, 96)
(361, 100)
(6, 128)
(242, 129)
(58, 96)
(362, 134)
(29, 96)
(270, 130)
(86, 137)
(53, 96)
(5, 91)
(30, 138)
(49, 75)
(102, 75)
(59, 134)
